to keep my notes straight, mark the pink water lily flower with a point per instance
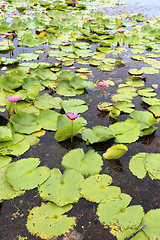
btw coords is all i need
(103, 84)
(64, 18)
(72, 116)
(91, 19)
(7, 34)
(14, 13)
(14, 98)
(76, 2)
(3, 5)
(121, 30)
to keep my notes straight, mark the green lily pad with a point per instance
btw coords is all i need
(6, 190)
(48, 119)
(64, 88)
(24, 174)
(138, 57)
(151, 101)
(46, 101)
(105, 106)
(124, 106)
(4, 160)
(121, 97)
(152, 220)
(146, 92)
(97, 134)
(127, 90)
(44, 74)
(74, 105)
(115, 152)
(5, 134)
(27, 56)
(79, 83)
(8, 61)
(144, 117)
(152, 165)
(153, 55)
(127, 131)
(96, 188)
(135, 81)
(155, 109)
(83, 53)
(106, 67)
(136, 165)
(9, 83)
(135, 71)
(149, 70)
(62, 189)
(89, 163)
(25, 123)
(17, 146)
(116, 215)
(48, 220)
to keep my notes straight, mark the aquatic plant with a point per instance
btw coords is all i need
(72, 116)
(103, 85)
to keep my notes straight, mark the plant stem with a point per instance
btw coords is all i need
(103, 93)
(139, 229)
(71, 131)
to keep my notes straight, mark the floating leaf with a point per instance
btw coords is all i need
(146, 92)
(152, 164)
(89, 163)
(152, 220)
(127, 131)
(105, 106)
(138, 57)
(64, 88)
(47, 220)
(135, 81)
(136, 165)
(17, 146)
(151, 101)
(115, 152)
(24, 174)
(5, 134)
(149, 70)
(155, 109)
(135, 71)
(6, 190)
(27, 56)
(124, 106)
(144, 117)
(25, 123)
(4, 160)
(96, 189)
(7, 61)
(97, 134)
(48, 119)
(62, 189)
(74, 105)
(46, 101)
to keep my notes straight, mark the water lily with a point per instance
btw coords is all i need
(3, 5)
(121, 30)
(14, 98)
(7, 34)
(103, 85)
(76, 2)
(91, 19)
(72, 117)
(64, 18)
(14, 13)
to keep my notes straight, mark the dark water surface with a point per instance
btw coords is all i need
(145, 192)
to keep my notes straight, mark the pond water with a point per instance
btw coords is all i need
(145, 192)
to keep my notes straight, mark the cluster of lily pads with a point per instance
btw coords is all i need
(67, 34)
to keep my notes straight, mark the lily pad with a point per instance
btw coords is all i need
(146, 92)
(155, 109)
(48, 220)
(24, 174)
(27, 56)
(96, 188)
(136, 165)
(6, 190)
(74, 105)
(89, 163)
(5, 134)
(46, 101)
(152, 220)
(124, 106)
(48, 119)
(62, 189)
(115, 152)
(127, 131)
(97, 134)
(25, 123)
